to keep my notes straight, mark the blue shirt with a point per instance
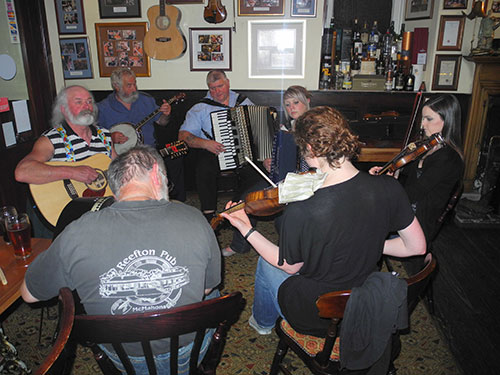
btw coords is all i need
(112, 112)
(198, 117)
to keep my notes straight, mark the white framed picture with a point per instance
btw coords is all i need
(276, 48)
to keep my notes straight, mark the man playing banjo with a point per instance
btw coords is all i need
(127, 105)
(125, 108)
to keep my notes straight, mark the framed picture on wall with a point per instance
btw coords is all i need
(455, 4)
(70, 17)
(210, 48)
(451, 31)
(261, 7)
(119, 8)
(446, 72)
(122, 45)
(495, 6)
(276, 48)
(75, 58)
(303, 8)
(418, 9)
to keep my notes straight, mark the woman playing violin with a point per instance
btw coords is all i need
(296, 101)
(333, 240)
(431, 180)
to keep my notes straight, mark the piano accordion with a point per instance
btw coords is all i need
(244, 131)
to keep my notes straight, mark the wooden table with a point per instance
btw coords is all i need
(14, 270)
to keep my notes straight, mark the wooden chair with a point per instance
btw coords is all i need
(321, 355)
(54, 363)
(219, 313)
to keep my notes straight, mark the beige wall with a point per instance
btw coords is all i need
(14, 89)
(175, 74)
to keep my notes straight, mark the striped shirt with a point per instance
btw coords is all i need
(80, 148)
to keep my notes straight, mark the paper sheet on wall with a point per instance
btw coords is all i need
(21, 115)
(8, 133)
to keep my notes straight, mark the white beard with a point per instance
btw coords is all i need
(84, 118)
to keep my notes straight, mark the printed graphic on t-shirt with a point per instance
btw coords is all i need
(144, 281)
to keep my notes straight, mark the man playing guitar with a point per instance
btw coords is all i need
(74, 137)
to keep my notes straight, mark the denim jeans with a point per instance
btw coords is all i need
(268, 279)
(162, 361)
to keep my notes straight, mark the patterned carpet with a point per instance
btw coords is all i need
(424, 352)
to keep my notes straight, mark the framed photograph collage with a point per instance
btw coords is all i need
(210, 48)
(122, 45)
(75, 58)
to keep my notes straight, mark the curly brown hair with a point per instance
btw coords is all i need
(327, 132)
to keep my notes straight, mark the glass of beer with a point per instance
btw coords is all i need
(6, 211)
(19, 229)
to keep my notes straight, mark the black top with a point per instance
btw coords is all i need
(430, 187)
(339, 234)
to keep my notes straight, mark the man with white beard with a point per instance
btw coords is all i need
(126, 104)
(74, 137)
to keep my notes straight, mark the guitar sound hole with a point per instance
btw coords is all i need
(162, 22)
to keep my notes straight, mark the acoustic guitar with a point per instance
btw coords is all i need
(132, 131)
(51, 198)
(164, 40)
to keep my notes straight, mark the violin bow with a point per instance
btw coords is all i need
(414, 115)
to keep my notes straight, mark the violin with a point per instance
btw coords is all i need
(258, 203)
(411, 152)
(214, 12)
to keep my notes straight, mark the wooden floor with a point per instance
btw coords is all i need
(467, 295)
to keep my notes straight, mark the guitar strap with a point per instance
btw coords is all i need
(68, 147)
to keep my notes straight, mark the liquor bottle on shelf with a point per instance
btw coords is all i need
(400, 38)
(355, 64)
(356, 38)
(389, 78)
(376, 34)
(399, 78)
(339, 78)
(387, 43)
(372, 45)
(410, 81)
(325, 76)
(347, 83)
(365, 35)
(380, 66)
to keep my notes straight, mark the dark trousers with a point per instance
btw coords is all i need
(207, 171)
(175, 175)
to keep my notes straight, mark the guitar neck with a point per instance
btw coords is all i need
(162, 8)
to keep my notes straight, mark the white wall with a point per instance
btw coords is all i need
(175, 74)
(14, 89)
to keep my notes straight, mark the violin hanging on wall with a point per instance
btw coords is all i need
(215, 12)
(164, 40)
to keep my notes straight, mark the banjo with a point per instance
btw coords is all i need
(133, 131)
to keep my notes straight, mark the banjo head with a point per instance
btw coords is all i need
(129, 131)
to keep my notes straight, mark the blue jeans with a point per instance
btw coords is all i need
(268, 279)
(162, 361)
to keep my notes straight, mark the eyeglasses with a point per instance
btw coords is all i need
(82, 102)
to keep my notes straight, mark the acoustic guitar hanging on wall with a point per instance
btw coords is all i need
(164, 40)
